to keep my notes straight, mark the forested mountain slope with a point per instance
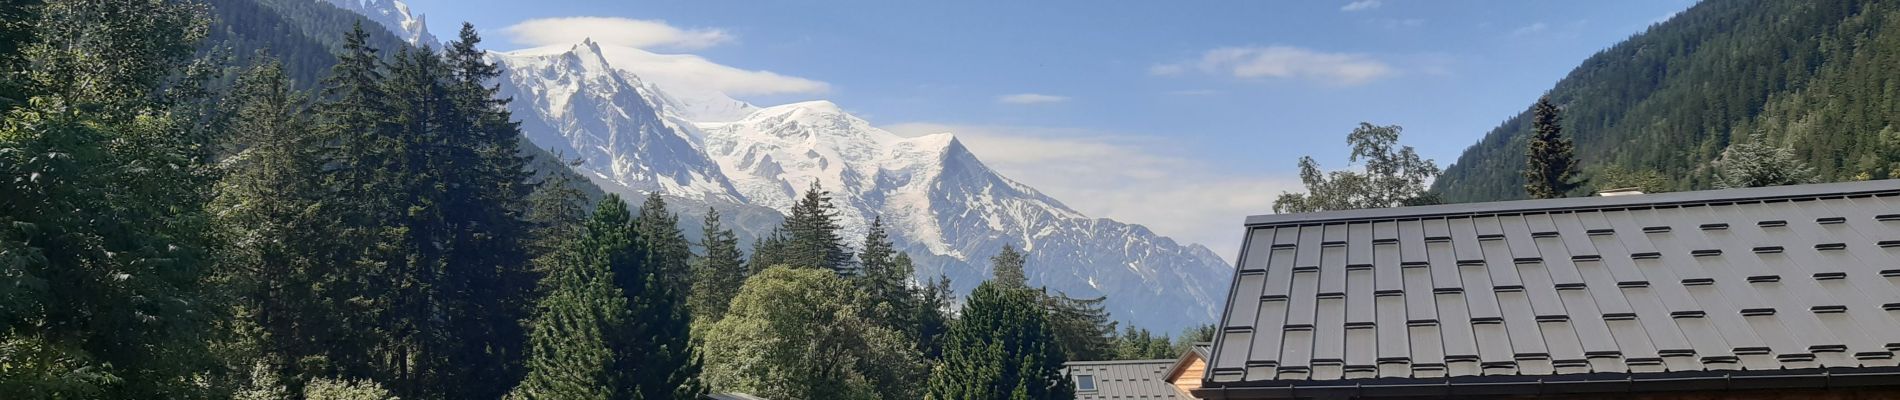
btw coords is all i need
(1822, 78)
(305, 36)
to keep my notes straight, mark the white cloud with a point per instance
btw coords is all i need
(628, 43)
(1134, 179)
(692, 72)
(644, 34)
(1167, 69)
(1284, 62)
(1031, 98)
(1361, 5)
(1531, 29)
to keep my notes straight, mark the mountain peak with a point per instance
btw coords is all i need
(816, 106)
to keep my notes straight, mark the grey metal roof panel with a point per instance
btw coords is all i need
(1742, 280)
(1126, 379)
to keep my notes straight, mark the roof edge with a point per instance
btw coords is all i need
(1584, 203)
(1120, 362)
(1600, 383)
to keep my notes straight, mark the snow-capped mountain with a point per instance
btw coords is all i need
(572, 103)
(944, 206)
(394, 15)
(942, 202)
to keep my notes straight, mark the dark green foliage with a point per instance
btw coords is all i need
(884, 280)
(581, 332)
(1815, 77)
(1140, 344)
(930, 314)
(103, 244)
(812, 234)
(304, 35)
(718, 273)
(18, 20)
(1549, 167)
(768, 251)
(796, 333)
(1081, 326)
(1006, 268)
(422, 262)
(668, 367)
(1394, 176)
(1746, 165)
(1199, 334)
(1002, 347)
(557, 210)
(1616, 177)
(275, 224)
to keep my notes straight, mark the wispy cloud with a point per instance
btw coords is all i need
(631, 44)
(1031, 98)
(1284, 62)
(1131, 178)
(642, 34)
(1531, 29)
(1361, 5)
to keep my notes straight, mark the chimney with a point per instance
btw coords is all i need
(1628, 191)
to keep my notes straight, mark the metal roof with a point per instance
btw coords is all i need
(1781, 279)
(1126, 379)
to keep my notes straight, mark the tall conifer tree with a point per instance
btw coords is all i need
(1001, 348)
(656, 289)
(767, 252)
(884, 279)
(1549, 167)
(718, 275)
(812, 238)
(580, 337)
(1006, 267)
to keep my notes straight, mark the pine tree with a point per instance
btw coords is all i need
(1007, 267)
(1142, 344)
(272, 219)
(1001, 348)
(812, 238)
(767, 252)
(884, 279)
(1081, 326)
(662, 329)
(718, 274)
(557, 212)
(930, 315)
(487, 202)
(1549, 168)
(351, 121)
(579, 338)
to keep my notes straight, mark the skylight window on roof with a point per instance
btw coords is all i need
(1085, 383)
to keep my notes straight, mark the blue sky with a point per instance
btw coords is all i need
(1126, 109)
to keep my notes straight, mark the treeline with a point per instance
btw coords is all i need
(169, 232)
(1658, 109)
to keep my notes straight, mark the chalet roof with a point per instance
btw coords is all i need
(1125, 379)
(1774, 284)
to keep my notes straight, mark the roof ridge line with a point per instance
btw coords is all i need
(1835, 189)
